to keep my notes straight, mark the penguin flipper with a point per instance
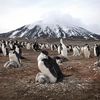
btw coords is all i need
(53, 67)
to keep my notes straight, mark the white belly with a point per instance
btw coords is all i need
(46, 71)
(4, 51)
(12, 57)
(64, 53)
(86, 53)
(76, 52)
(95, 52)
(59, 51)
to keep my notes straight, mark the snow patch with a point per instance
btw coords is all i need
(13, 34)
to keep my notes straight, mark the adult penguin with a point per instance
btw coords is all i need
(18, 50)
(59, 48)
(76, 51)
(97, 51)
(36, 46)
(64, 49)
(4, 49)
(86, 51)
(49, 67)
(14, 56)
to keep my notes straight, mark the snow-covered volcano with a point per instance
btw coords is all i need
(39, 29)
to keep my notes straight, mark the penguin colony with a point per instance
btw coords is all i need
(49, 67)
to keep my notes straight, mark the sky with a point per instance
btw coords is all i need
(16, 13)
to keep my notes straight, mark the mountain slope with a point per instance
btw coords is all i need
(52, 31)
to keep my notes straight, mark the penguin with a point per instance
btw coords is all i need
(86, 51)
(49, 67)
(76, 51)
(52, 47)
(58, 59)
(0, 50)
(55, 46)
(47, 46)
(22, 44)
(4, 49)
(82, 50)
(18, 50)
(13, 56)
(11, 64)
(69, 48)
(11, 46)
(41, 78)
(59, 48)
(97, 51)
(28, 46)
(36, 46)
(64, 49)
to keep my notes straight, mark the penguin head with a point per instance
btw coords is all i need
(44, 52)
(86, 45)
(43, 55)
(16, 46)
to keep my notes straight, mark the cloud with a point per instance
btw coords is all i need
(15, 13)
(95, 28)
(61, 19)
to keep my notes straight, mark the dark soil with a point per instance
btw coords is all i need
(82, 81)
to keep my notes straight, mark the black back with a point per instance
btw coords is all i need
(98, 50)
(54, 68)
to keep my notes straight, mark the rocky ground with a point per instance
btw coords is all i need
(82, 81)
